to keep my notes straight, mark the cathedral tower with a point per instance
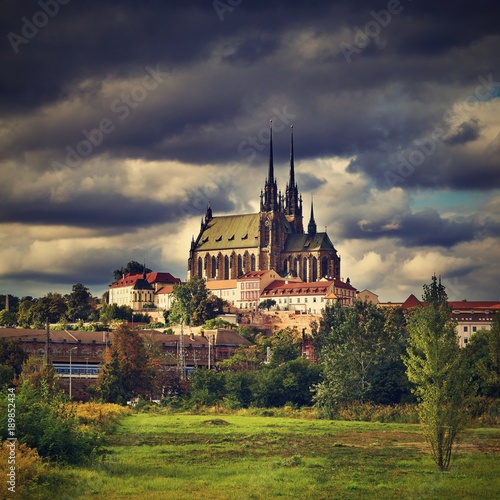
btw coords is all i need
(293, 202)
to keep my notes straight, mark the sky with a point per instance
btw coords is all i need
(121, 120)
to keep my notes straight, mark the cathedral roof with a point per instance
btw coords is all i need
(308, 243)
(230, 231)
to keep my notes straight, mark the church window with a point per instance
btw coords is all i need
(213, 273)
(200, 267)
(252, 262)
(324, 267)
(226, 267)
(240, 265)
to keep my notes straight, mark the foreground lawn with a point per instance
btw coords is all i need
(245, 457)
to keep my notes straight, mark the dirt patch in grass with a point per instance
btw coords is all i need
(215, 421)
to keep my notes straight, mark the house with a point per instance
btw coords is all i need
(141, 291)
(251, 285)
(471, 316)
(310, 297)
(224, 289)
(367, 296)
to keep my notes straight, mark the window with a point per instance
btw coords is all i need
(474, 328)
(466, 328)
(465, 340)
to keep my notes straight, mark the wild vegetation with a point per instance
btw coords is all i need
(243, 456)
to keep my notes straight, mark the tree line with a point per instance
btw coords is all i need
(365, 354)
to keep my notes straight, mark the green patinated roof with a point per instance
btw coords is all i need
(230, 231)
(306, 242)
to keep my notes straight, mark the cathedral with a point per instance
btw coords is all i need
(228, 246)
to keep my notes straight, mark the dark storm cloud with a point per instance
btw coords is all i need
(86, 210)
(308, 182)
(370, 108)
(423, 229)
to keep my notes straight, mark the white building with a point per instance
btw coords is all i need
(310, 298)
(141, 291)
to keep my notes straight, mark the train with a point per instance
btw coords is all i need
(84, 370)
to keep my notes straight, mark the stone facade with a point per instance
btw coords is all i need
(272, 239)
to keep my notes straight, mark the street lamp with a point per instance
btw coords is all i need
(70, 370)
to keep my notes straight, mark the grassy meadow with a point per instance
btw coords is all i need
(162, 456)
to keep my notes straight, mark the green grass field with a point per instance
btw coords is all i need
(156, 456)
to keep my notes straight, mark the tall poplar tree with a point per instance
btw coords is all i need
(436, 366)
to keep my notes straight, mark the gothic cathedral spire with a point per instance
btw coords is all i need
(271, 189)
(293, 207)
(311, 227)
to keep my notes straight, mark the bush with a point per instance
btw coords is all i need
(483, 411)
(100, 415)
(29, 469)
(47, 423)
(368, 412)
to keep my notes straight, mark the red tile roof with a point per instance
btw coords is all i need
(156, 277)
(253, 275)
(281, 287)
(475, 304)
(166, 289)
(412, 301)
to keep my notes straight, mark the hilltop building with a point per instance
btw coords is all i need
(143, 291)
(229, 246)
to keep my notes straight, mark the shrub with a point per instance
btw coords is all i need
(29, 468)
(44, 421)
(101, 415)
(368, 412)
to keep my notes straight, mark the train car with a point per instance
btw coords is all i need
(84, 370)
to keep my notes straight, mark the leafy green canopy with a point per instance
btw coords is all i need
(436, 366)
(359, 350)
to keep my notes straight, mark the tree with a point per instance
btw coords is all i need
(435, 365)
(289, 383)
(267, 304)
(483, 357)
(79, 303)
(52, 306)
(110, 382)
(351, 342)
(25, 313)
(133, 267)
(190, 303)
(283, 344)
(110, 312)
(389, 383)
(12, 355)
(133, 360)
(8, 318)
